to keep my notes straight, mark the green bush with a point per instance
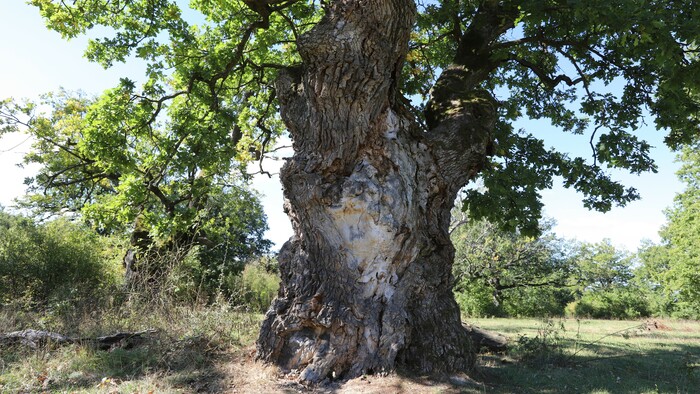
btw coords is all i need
(256, 286)
(686, 310)
(476, 300)
(617, 303)
(194, 280)
(546, 301)
(52, 263)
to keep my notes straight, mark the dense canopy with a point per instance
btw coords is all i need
(595, 67)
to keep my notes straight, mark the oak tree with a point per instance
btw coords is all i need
(393, 106)
(158, 190)
(499, 272)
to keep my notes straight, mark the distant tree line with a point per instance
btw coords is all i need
(501, 273)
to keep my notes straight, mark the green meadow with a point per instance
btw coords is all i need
(593, 356)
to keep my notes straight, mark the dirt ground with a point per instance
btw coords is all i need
(244, 375)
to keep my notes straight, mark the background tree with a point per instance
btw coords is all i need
(162, 189)
(234, 224)
(519, 275)
(604, 283)
(601, 266)
(650, 279)
(366, 280)
(671, 270)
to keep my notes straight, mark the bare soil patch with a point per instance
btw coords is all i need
(245, 375)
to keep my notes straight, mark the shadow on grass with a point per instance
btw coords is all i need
(672, 370)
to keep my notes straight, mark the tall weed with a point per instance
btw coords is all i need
(256, 287)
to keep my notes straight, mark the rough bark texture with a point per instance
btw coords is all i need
(366, 280)
(486, 340)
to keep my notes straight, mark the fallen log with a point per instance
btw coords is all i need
(36, 338)
(484, 339)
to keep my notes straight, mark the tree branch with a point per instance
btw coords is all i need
(549, 81)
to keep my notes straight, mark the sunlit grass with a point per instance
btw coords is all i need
(597, 356)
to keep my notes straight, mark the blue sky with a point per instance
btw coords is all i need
(36, 61)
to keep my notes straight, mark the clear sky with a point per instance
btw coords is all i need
(36, 61)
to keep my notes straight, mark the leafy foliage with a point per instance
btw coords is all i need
(650, 277)
(58, 262)
(601, 266)
(615, 303)
(503, 273)
(671, 270)
(161, 187)
(590, 67)
(235, 226)
(604, 284)
(256, 286)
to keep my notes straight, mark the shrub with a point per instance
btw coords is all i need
(476, 300)
(543, 301)
(256, 286)
(194, 280)
(617, 303)
(52, 263)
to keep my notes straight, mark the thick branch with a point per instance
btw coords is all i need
(461, 115)
(461, 127)
(34, 338)
(167, 204)
(518, 284)
(476, 46)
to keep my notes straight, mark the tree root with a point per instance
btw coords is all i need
(484, 339)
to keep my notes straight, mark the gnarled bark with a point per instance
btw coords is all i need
(366, 279)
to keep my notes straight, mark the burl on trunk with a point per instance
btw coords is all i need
(366, 279)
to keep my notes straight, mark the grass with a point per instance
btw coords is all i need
(593, 356)
(183, 356)
(208, 349)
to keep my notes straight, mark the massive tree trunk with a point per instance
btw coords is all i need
(366, 279)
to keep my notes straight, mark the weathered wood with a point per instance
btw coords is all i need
(35, 338)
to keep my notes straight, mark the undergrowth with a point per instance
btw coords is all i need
(552, 346)
(544, 348)
(184, 349)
